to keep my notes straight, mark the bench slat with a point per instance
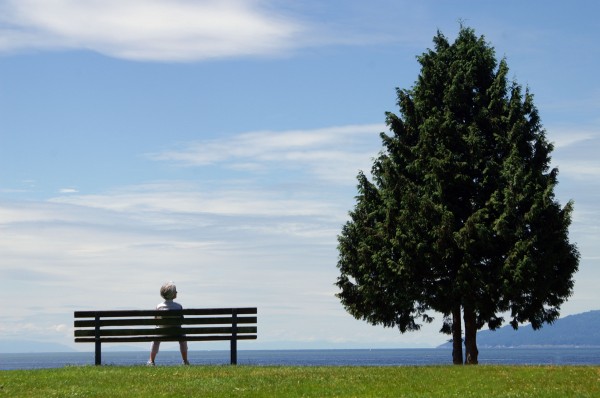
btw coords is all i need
(164, 321)
(162, 338)
(192, 311)
(164, 331)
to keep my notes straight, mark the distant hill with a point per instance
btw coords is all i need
(27, 346)
(580, 330)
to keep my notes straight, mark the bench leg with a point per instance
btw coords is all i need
(98, 347)
(98, 355)
(234, 351)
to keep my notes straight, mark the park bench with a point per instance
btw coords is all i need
(205, 324)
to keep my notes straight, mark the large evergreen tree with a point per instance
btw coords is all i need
(459, 216)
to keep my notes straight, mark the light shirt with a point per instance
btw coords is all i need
(169, 305)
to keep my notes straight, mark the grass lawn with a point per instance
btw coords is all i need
(310, 381)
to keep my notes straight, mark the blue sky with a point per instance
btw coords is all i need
(216, 144)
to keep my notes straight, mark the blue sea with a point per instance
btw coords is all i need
(335, 357)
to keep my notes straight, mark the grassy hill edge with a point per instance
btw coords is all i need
(309, 381)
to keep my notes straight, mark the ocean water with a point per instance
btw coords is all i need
(336, 357)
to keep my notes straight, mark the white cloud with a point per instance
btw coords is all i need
(582, 170)
(333, 154)
(68, 190)
(576, 153)
(563, 138)
(60, 328)
(176, 30)
(191, 30)
(174, 199)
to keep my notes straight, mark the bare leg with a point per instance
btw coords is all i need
(154, 351)
(183, 347)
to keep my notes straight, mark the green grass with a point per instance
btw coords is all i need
(259, 381)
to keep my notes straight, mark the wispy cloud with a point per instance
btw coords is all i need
(184, 30)
(588, 171)
(576, 152)
(189, 199)
(333, 154)
(68, 190)
(565, 137)
(148, 29)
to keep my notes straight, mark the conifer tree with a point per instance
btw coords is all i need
(459, 216)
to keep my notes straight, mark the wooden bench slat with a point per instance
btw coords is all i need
(162, 338)
(164, 321)
(164, 331)
(191, 311)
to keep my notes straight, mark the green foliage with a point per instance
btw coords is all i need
(460, 210)
(308, 381)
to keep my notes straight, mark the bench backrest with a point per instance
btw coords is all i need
(155, 325)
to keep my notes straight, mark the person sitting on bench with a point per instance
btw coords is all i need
(168, 291)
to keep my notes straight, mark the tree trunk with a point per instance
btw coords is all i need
(471, 352)
(457, 357)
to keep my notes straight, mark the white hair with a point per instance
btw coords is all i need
(168, 291)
